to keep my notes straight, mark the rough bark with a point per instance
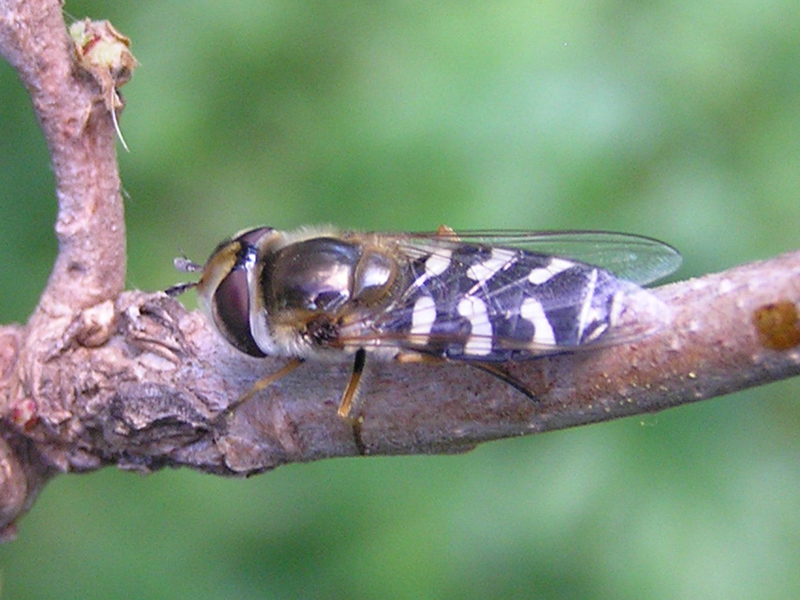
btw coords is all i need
(99, 376)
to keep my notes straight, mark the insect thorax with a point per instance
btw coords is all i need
(315, 289)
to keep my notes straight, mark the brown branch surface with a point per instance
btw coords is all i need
(104, 377)
(90, 266)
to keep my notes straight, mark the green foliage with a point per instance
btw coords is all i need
(677, 120)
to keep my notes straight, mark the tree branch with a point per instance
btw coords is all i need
(79, 130)
(90, 228)
(104, 377)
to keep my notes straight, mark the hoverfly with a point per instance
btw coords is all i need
(483, 297)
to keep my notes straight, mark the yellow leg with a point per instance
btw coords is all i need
(263, 383)
(417, 358)
(351, 391)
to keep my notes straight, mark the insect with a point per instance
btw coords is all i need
(484, 298)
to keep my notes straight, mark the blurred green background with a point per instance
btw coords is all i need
(679, 120)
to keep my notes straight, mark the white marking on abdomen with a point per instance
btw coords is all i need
(533, 311)
(422, 316)
(435, 265)
(553, 268)
(498, 259)
(587, 314)
(474, 310)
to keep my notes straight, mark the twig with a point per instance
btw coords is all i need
(90, 228)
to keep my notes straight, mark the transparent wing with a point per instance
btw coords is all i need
(631, 257)
(508, 295)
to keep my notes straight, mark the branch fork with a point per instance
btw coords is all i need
(99, 376)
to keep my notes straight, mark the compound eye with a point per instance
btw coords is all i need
(232, 311)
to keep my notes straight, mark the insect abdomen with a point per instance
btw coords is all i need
(496, 304)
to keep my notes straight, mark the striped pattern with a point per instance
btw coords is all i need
(474, 302)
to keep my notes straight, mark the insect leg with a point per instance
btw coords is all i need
(504, 377)
(261, 384)
(352, 386)
(351, 391)
(417, 358)
(179, 288)
(184, 265)
(489, 368)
